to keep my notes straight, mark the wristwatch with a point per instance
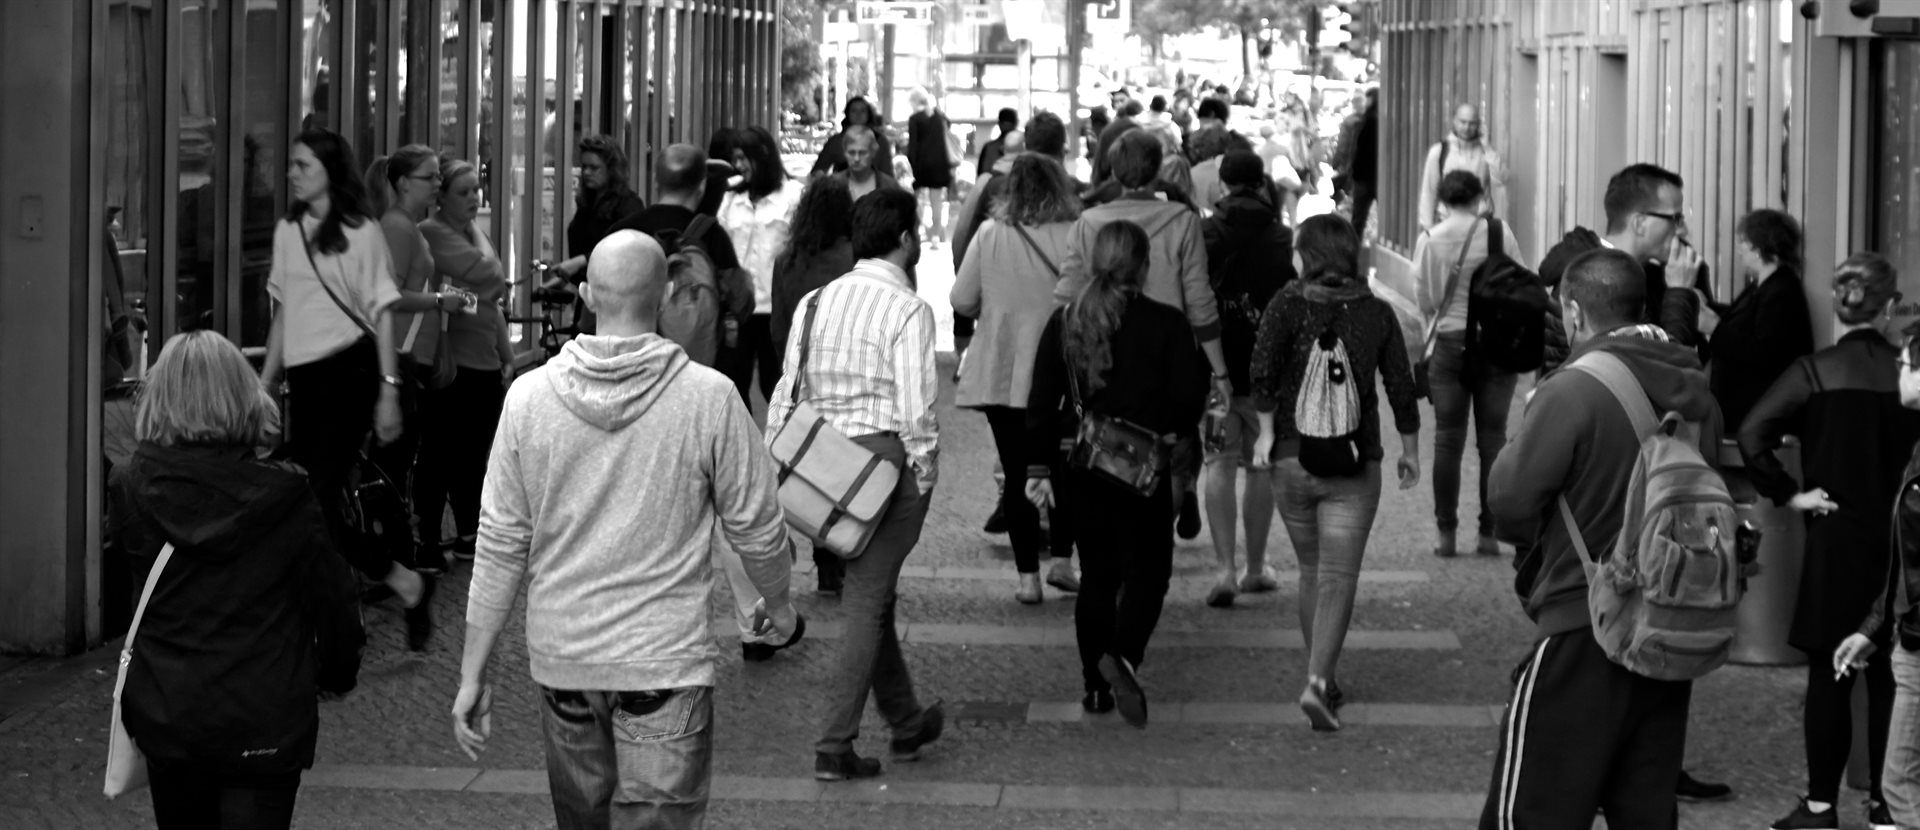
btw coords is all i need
(391, 380)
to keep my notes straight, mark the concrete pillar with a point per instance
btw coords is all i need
(49, 365)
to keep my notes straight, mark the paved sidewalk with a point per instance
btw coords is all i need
(1427, 670)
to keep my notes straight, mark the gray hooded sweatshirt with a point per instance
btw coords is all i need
(616, 468)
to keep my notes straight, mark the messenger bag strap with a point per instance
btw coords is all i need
(153, 578)
(806, 344)
(1453, 282)
(307, 246)
(1044, 259)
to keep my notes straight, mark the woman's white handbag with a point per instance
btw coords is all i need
(126, 764)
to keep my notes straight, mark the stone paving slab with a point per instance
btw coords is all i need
(940, 793)
(1269, 714)
(967, 634)
(1007, 574)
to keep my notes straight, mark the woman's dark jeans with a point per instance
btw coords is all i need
(1009, 427)
(329, 416)
(186, 798)
(1463, 385)
(1126, 560)
(457, 427)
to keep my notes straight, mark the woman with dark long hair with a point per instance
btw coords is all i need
(1323, 340)
(833, 156)
(1115, 357)
(252, 617)
(819, 250)
(1844, 404)
(332, 335)
(1768, 326)
(1006, 282)
(758, 215)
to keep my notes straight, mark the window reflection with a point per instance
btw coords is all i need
(201, 161)
(264, 120)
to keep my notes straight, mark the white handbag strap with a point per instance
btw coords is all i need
(153, 578)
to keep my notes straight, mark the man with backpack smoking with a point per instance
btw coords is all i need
(1585, 733)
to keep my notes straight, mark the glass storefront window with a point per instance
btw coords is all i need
(318, 37)
(132, 89)
(202, 162)
(263, 123)
(1896, 167)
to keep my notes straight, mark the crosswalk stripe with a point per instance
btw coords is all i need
(1057, 636)
(1379, 805)
(1007, 574)
(1260, 714)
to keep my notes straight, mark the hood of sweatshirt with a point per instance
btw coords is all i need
(1244, 215)
(1671, 373)
(610, 382)
(216, 500)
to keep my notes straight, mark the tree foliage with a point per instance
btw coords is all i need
(1155, 20)
(799, 57)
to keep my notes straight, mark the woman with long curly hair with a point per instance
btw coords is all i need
(1006, 282)
(1115, 357)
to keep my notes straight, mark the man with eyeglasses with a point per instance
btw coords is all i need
(1647, 218)
(1465, 148)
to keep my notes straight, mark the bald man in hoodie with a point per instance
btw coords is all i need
(616, 466)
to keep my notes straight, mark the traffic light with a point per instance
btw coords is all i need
(1334, 26)
(1356, 27)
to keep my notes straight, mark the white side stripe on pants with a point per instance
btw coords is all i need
(1516, 737)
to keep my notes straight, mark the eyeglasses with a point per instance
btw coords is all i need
(1676, 218)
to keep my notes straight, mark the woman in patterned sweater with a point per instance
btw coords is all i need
(1329, 310)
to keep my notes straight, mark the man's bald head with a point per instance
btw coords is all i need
(1016, 142)
(626, 277)
(681, 170)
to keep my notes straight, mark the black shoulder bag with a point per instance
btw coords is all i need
(1116, 449)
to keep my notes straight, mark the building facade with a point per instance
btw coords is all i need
(143, 166)
(1753, 102)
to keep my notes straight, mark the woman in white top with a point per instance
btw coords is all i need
(1447, 255)
(332, 281)
(401, 188)
(757, 216)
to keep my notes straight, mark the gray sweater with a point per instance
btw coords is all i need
(617, 467)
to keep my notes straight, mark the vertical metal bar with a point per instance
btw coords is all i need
(228, 262)
(591, 120)
(565, 44)
(633, 32)
(345, 76)
(532, 135)
(621, 127)
(162, 247)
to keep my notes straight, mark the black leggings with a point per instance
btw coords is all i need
(1009, 427)
(1126, 560)
(329, 415)
(457, 426)
(1828, 722)
(756, 350)
(187, 798)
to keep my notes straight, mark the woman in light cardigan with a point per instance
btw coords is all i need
(460, 432)
(1006, 282)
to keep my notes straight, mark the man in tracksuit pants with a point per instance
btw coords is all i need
(1583, 734)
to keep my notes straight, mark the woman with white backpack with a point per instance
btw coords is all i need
(1323, 340)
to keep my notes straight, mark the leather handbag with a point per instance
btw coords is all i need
(126, 764)
(1116, 449)
(832, 490)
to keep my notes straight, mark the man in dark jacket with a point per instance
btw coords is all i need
(1769, 326)
(1646, 218)
(1584, 734)
(991, 151)
(1249, 259)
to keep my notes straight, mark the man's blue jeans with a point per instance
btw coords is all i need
(1463, 386)
(629, 760)
(1900, 779)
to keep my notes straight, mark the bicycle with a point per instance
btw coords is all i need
(555, 299)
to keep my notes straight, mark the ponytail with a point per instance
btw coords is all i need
(384, 175)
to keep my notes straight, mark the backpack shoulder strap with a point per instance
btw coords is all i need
(1044, 259)
(1614, 374)
(1494, 234)
(1442, 166)
(697, 229)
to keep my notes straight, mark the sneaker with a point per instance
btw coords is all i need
(1313, 701)
(1029, 593)
(844, 766)
(1221, 594)
(1693, 789)
(1259, 582)
(762, 652)
(1189, 524)
(1804, 818)
(1879, 817)
(1128, 697)
(1062, 578)
(1336, 696)
(933, 721)
(463, 549)
(1489, 546)
(828, 582)
(420, 616)
(1444, 546)
(1097, 702)
(996, 523)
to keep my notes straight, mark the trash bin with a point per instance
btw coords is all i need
(1766, 612)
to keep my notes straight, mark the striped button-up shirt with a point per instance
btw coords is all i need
(870, 365)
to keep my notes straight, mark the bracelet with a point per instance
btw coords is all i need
(391, 380)
(1219, 376)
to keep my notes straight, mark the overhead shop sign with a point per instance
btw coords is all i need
(907, 13)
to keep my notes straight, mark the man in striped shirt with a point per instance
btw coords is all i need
(865, 364)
